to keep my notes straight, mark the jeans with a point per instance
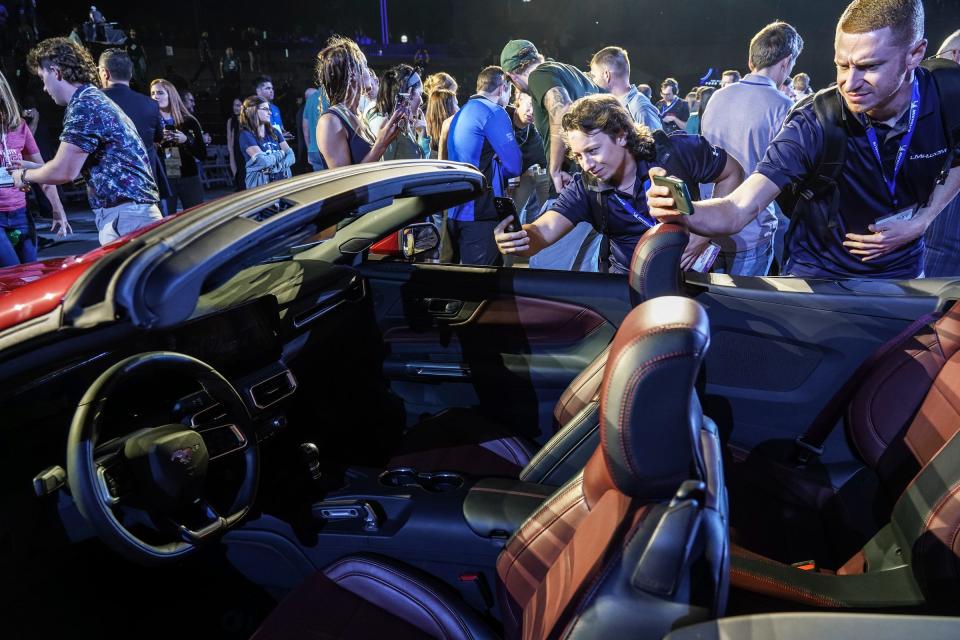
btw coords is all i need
(473, 242)
(113, 222)
(750, 262)
(942, 239)
(26, 249)
(579, 250)
(316, 161)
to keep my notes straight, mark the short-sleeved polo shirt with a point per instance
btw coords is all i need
(579, 201)
(862, 193)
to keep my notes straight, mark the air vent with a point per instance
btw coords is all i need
(273, 389)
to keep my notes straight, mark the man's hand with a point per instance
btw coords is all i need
(60, 224)
(885, 237)
(661, 205)
(695, 246)
(507, 243)
(670, 118)
(560, 179)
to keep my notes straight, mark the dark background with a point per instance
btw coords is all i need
(682, 38)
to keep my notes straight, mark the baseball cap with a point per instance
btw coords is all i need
(515, 53)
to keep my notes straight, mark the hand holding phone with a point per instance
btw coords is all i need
(505, 208)
(402, 103)
(678, 191)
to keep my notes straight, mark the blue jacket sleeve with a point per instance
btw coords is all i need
(499, 131)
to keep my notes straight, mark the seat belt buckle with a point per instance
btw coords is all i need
(805, 565)
(805, 452)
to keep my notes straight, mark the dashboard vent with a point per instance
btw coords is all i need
(273, 389)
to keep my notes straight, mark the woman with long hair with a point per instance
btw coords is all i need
(182, 147)
(439, 80)
(401, 90)
(268, 156)
(342, 135)
(236, 155)
(18, 150)
(441, 105)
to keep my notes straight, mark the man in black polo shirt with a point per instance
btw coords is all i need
(886, 192)
(615, 155)
(553, 86)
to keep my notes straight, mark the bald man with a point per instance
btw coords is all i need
(943, 235)
(950, 49)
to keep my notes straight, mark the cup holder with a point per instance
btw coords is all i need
(433, 481)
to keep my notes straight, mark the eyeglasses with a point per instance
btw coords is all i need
(948, 53)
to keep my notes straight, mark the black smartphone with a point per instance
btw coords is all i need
(505, 207)
(169, 127)
(402, 101)
(678, 191)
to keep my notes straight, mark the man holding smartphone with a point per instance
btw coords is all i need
(615, 154)
(895, 175)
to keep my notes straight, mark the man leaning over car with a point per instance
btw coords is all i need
(887, 188)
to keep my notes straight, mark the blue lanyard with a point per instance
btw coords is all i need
(904, 144)
(669, 106)
(642, 219)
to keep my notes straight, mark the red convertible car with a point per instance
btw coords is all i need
(264, 418)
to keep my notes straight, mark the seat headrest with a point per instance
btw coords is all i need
(655, 267)
(650, 415)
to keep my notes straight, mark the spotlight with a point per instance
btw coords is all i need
(403, 38)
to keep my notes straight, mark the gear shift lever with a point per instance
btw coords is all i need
(311, 457)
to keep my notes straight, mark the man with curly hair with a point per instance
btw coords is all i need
(615, 154)
(98, 142)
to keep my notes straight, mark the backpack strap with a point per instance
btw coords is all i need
(946, 78)
(832, 118)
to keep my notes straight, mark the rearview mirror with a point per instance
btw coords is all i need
(419, 238)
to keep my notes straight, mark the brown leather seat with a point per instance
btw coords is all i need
(903, 420)
(650, 565)
(462, 440)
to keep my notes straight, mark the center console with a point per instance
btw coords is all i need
(449, 525)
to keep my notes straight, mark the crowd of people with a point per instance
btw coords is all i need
(772, 189)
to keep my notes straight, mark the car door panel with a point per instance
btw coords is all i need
(781, 348)
(507, 342)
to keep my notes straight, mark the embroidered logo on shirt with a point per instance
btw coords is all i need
(925, 156)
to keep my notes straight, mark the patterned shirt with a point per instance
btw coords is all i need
(117, 169)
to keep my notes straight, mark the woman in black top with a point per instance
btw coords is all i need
(238, 166)
(182, 147)
(342, 135)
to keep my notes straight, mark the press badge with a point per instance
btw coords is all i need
(906, 214)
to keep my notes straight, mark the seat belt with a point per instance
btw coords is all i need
(809, 446)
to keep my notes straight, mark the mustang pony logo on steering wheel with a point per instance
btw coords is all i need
(184, 456)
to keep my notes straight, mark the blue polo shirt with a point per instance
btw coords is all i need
(481, 134)
(579, 201)
(862, 193)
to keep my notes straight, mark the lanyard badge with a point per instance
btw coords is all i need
(642, 219)
(891, 182)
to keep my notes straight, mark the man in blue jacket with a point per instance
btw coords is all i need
(481, 134)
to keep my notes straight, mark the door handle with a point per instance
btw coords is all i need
(444, 307)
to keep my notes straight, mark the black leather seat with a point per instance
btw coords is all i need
(462, 440)
(649, 542)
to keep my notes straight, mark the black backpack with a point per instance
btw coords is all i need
(832, 117)
(668, 160)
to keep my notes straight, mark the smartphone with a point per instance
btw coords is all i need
(678, 191)
(505, 207)
(403, 99)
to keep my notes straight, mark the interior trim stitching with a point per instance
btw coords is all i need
(800, 591)
(559, 439)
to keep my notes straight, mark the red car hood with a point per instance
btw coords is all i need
(29, 291)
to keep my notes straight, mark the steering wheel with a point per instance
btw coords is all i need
(159, 472)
